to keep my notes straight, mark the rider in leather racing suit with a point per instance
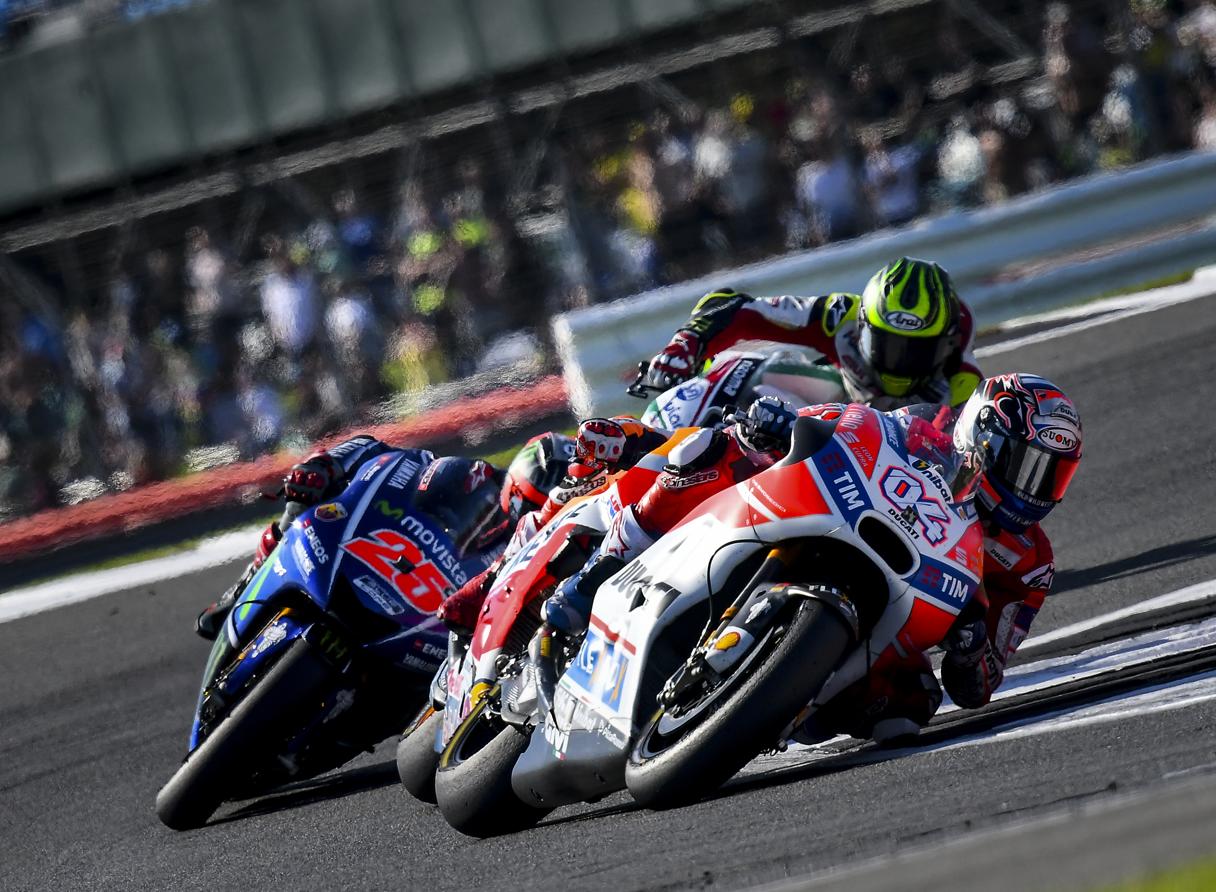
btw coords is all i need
(906, 339)
(1030, 433)
(702, 465)
(477, 522)
(550, 471)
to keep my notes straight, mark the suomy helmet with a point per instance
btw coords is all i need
(1026, 434)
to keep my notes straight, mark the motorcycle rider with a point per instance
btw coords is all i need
(1027, 434)
(550, 471)
(907, 338)
(709, 461)
(476, 520)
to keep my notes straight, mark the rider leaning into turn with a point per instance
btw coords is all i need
(551, 470)
(1027, 436)
(477, 521)
(907, 338)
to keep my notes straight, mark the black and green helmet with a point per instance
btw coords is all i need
(907, 323)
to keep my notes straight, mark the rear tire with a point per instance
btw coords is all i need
(673, 766)
(473, 783)
(219, 766)
(417, 758)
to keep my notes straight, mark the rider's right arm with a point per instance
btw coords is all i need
(723, 319)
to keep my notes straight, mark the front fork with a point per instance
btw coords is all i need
(746, 621)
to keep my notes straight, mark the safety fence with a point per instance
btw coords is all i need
(1033, 253)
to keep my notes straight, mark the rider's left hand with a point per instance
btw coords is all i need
(768, 424)
(308, 481)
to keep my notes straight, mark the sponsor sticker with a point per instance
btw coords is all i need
(270, 638)
(330, 511)
(737, 376)
(1041, 577)
(1057, 438)
(403, 473)
(672, 481)
(303, 561)
(383, 599)
(904, 321)
(314, 542)
(690, 391)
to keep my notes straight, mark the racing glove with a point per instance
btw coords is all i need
(971, 669)
(676, 362)
(768, 425)
(599, 443)
(308, 481)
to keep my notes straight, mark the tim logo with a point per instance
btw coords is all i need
(905, 492)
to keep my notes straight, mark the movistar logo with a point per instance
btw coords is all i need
(388, 510)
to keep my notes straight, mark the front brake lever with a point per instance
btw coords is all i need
(639, 388)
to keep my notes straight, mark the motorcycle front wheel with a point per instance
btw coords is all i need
(473, 783)
(218, 767)
(678, 758)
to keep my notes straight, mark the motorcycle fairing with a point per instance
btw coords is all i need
(645, 597)
(258, 629)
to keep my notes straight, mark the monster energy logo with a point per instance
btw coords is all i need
(388, 510)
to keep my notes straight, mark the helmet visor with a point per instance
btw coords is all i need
(901, 356)
(1030, 471)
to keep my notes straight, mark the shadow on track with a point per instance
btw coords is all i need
(322, 789)
(998, 716)
(1153, 559)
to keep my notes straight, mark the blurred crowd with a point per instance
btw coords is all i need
(213, 339)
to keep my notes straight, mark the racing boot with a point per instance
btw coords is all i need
(568, 610)
(889, 706)
(211, 620)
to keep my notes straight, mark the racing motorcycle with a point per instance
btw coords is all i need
(330, 646)
(508, 619)
(736, 378)
(763, 603)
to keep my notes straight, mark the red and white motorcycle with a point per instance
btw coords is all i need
(764, 602)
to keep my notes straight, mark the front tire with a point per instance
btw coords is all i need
(676, 761)
(216, 769)
(417, 759)
(473, 783)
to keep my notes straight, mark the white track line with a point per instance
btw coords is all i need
(1115, 308)
(1192, 594)
(85, 586)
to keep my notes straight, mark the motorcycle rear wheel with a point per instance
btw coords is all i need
(670, 766)
(416, 756)
(473, 783)
(216, 769)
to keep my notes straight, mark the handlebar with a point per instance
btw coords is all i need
(639, 387)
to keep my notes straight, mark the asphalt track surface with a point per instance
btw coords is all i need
(96, 701)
